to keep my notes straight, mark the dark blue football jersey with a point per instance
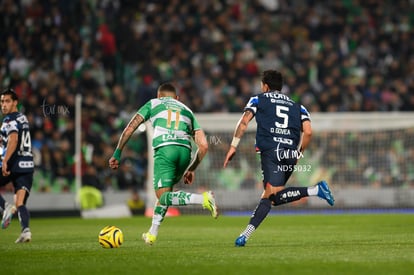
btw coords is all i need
(22, 159)
(279, 120)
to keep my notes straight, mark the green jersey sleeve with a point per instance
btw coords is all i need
(145, 111)
(196, 125)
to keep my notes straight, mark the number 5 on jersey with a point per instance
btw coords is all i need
(281, 112)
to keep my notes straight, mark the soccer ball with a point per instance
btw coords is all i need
(111, 237)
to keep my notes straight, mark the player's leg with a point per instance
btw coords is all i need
(157, 218)
(290, 194)
(23, 184)
(163, 181)
(177, 160)
(181, 198)
(7, 209)
(283, 171)
(271, 184)
(259, 214)
(2, 203)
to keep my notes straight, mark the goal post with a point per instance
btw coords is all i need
(366, 158)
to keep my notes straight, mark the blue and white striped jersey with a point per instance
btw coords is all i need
(22, 159)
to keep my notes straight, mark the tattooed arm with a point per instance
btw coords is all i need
(129, 130)
(123, 139)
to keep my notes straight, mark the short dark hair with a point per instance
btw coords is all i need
(167, 88)
(273, 79)
(10, 92)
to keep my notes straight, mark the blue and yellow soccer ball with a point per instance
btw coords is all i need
(111, 237)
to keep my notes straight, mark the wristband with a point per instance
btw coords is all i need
(235, 142)
(117, 154)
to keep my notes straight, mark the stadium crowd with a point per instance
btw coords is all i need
(337, 56)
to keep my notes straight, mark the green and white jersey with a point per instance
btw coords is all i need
(173, 122)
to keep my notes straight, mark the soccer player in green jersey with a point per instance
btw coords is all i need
(175, 126)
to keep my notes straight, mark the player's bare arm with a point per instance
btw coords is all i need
(132, 125)
(202, 144)
(307, 134)
(238, 134)
(243, 124)
(11, 147)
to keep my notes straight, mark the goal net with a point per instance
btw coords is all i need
(366, 158)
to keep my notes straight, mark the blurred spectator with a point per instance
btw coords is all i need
(135, 203)
(128, 178)
(107, 44)
(90, 178)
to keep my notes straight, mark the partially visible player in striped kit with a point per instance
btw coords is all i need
(17, 164)
(175, 126)
(283, 133)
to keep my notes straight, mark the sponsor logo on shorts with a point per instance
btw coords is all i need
(26, 164)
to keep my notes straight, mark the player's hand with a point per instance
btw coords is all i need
(230, 154)
(113, 163)
(189, 177)
(5, 172)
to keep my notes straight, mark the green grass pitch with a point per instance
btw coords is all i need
(283, 244)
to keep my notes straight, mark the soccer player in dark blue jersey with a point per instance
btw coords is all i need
(283, 133)
(17, 164)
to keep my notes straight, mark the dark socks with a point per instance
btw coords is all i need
(288, 195)
(260, 212)
(23, 216)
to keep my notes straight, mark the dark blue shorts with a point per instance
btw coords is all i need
(277, 166)
(19, 181)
